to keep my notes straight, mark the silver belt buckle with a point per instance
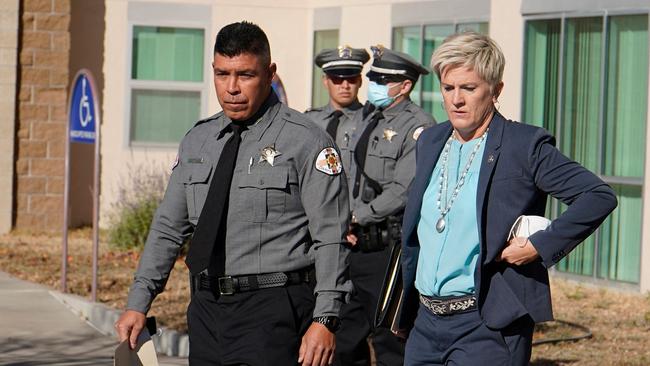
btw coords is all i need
(226, 285)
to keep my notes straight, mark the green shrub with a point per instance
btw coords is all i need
(139, 195)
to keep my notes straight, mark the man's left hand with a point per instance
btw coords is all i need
(317, 348)
(519, 251)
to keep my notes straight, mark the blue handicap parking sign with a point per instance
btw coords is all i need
(82, 113)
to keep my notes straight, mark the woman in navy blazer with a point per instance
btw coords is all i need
(484, 311)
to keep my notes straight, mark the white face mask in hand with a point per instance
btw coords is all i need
(526, 226)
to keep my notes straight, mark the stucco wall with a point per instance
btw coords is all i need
(9, 14)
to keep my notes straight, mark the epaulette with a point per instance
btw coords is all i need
(420, 114)
(413, 108)
(294, 116)
(208, 119)
(313, 109)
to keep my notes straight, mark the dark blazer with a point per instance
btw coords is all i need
(520, 167)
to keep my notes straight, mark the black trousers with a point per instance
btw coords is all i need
(367, 271)
(256, 328)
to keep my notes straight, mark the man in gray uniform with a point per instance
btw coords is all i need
(384, 166)
(342, 78)
(261, 190)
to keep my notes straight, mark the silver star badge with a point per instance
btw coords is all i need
(389, 134)
(269, 153)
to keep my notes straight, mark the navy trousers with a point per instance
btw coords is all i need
(463, 339)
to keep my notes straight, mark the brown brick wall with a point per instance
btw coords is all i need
(44, 57)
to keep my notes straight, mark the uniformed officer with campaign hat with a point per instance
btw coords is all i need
(261, 191)
(382, 170)
(342, 68)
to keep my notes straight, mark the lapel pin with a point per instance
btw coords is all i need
(490, 159)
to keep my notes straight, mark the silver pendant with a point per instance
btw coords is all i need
(440, 225)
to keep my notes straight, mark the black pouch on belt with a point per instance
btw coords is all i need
(373, 238)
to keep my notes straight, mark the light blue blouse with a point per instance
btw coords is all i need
(447, 260)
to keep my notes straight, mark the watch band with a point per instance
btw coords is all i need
(332, 323)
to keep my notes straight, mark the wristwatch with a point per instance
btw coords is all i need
(332, 323)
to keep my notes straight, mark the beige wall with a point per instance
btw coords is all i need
(507, 29)
(365, 26)
(8, 67)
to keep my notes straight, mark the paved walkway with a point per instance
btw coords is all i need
(37, 329)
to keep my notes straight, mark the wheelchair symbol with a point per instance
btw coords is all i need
(84, 106)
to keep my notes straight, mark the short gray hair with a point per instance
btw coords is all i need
(470, 49)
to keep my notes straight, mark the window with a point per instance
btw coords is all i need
(586, 81)
(167, 83)
(420, 42)
(322, 39)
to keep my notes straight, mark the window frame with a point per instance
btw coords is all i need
(202, 87)
(605, 14)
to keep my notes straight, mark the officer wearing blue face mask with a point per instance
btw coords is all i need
(382, 170)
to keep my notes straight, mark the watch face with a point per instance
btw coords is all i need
(334, 323)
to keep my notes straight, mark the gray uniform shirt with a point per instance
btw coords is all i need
(347, 127)
(283, 216)
(390, 160)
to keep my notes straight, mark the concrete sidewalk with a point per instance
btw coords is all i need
(37, 328)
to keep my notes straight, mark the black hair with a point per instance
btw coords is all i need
(243, 37)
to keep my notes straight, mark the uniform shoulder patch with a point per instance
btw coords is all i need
(328, 161)
(417, 132)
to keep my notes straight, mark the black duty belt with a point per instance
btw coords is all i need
(449, 305)
(377, 236)
(229, 285)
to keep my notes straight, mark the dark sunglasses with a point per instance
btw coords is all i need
(386, 79)
(337, 80)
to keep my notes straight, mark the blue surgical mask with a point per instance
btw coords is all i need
(378, 95)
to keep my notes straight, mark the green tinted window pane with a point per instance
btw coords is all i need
(322, 39)
(161, 53)
(479, 27)
(542, 55)
(620, 237)
(581, 259)
(431, 96)
(408, 40)
(163, 116)
(627, 96)
(582, 85)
